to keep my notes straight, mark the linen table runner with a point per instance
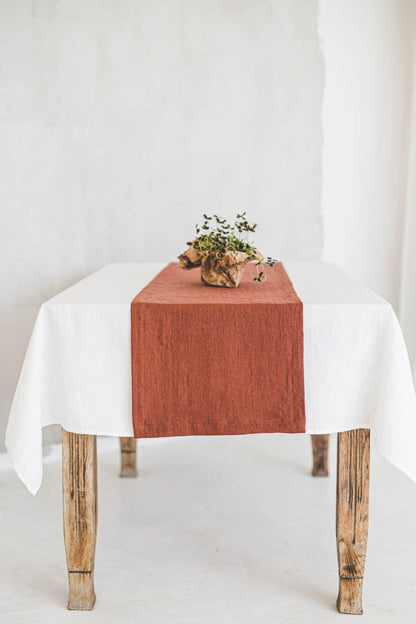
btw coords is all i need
(210, 361)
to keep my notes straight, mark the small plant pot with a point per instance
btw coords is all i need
(226, 271)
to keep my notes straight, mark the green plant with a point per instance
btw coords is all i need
(216, 237)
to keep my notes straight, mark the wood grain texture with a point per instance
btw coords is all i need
(353, 478)
(320, 455)
(128, 457)
(79, 487)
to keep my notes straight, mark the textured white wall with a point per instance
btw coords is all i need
(368, 75)
(121, 122)
(408, 277)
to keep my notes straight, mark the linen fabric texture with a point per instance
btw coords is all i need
(217, 361)
(77, 369)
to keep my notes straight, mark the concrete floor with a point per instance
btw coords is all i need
(227, 530)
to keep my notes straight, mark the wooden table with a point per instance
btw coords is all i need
(79, 472)
(357, 376)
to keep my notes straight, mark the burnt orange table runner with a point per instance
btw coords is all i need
(217, 361)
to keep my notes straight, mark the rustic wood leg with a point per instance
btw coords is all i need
(79, 485)
(128, 457)
(352, 516)
(320, 455)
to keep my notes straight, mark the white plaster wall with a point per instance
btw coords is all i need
(367, 50)
(121, 122)
(408, 275)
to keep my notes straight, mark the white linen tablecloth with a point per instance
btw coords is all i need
(77, 369)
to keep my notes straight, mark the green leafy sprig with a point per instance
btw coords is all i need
(261, 275)
(217, 237)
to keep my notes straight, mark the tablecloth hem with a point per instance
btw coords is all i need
(33, 485)
(321, 431)
(397, 464)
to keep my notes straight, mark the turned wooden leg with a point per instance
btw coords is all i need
(352, 516)
(320, 455)
(128, 457)
(79, 486)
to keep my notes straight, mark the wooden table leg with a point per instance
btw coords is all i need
(128, 457)
(353, 476)
(320, 455)
(79, 486)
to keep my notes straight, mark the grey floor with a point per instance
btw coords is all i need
(227, 530)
